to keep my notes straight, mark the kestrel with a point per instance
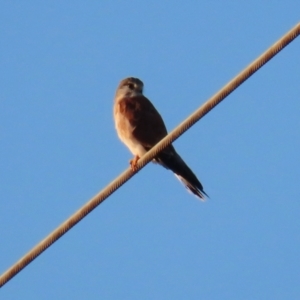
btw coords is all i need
(140, 126)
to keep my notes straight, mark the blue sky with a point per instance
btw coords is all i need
(60, 63)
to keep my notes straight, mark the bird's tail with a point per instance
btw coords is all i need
(170, 159)
(192, 188)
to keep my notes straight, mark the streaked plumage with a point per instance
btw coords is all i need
(140, 127)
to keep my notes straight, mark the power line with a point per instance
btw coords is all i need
(178, 131)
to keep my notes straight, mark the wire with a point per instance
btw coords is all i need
(126, 175)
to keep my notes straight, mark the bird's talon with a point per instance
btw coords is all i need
(133, 163)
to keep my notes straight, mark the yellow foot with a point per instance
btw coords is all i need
(133, 163)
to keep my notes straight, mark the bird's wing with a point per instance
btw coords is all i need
(148, 129)
(148, 126)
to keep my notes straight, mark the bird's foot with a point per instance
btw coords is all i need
(133, 163)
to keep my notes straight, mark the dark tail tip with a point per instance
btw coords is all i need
(197, 191)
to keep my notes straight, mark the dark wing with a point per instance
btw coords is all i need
(149, 127)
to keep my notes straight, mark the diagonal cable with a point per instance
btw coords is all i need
(126, 175)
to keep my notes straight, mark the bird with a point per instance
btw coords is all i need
(140, 126)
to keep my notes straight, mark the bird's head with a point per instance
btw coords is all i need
(129, 87)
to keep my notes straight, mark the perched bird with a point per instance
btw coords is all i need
(140, 127)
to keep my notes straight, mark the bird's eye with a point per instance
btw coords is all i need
(131, 86)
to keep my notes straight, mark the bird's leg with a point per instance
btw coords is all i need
(133, 162)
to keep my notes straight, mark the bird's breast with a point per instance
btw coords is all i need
(125, 131)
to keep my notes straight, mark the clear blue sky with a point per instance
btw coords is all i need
(60, 64)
